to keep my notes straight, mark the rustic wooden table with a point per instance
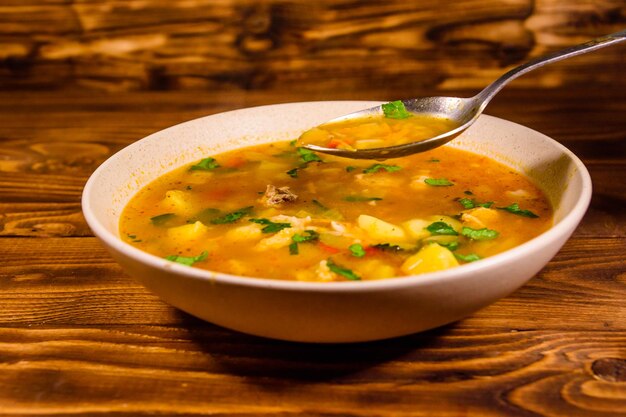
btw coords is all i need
(80, 80)
(78, 336)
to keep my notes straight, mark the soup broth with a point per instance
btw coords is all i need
(280, 211)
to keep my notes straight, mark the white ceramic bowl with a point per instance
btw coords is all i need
(330, 312)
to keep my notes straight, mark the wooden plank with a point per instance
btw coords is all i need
(73, 281)
(199, 371)
(335, 45)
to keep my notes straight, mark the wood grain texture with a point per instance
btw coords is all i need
(343, 45)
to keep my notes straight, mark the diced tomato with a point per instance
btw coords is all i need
(235, 162)
(334, 143)
(328, 248)
(371, 250)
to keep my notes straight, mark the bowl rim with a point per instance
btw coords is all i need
(564, 227)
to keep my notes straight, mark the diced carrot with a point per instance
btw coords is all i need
(328, 248)
(371, 250)
(334, 143)
(234, 162)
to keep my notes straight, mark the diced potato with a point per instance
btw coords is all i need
(336, 240)
(244, 233)
(178, 202)
(187, 232)
(443, 239)
(380, 230)
(417, 182)
(456, 225)
(315, 136)
(416, 228)
(480, 217)
(430, 258)
(377, 269)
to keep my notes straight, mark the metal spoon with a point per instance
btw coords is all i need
(463, 111)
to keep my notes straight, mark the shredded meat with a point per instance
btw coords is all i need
(276, 196)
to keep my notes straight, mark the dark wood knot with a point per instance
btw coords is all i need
(609, 369)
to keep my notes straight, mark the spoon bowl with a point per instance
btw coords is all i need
(463, 112)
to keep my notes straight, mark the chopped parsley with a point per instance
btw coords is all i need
(479, 234)
(345, 272)
(395, 110)
(161, 219)
(320, 205)
(293, 142)
(293, 173)
(471, 203)
(438, 182)
(293, 248)
(350, 168)
(454, 245)
(378, 167)
(188, 187)
(233, 216)
(187, 260)
(308, 236)
(270, 226)
(468, 192)
(441, 228)
(206, 164)
(359, 198)
(434, 160)
(133, 238)
(472, 257)
(357, 250)
(308, 156)
(514, 209)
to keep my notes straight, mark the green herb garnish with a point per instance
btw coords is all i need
(395, 110)
(350, 168)
(434, 160)
(479, 234)
(438, 182)
(514, 209)
(270, 226)
(357, 250)
(359, 198)
(472, 257)
(378, 167)
(233, 216)
(293, 248)
(187, 260)
(206, 164)
(471, 203)
(454, 245)
(308, 156)
(308, 236)
(441, 228)
(293, 173)
(468, 192)
(161, 219)
(345, 272)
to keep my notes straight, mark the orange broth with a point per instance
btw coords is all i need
(279, 211)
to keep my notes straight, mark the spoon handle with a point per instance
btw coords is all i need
(492, 89)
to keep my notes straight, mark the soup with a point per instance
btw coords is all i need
(280, 211)
(396, 126)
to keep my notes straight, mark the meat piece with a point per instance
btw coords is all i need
(276, 196)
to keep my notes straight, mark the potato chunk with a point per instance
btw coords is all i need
(430, 258)
(380, 230)
(188, 232)
(178, 202)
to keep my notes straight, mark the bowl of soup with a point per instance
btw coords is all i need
(227, 218)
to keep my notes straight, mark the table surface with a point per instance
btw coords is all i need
(79, 337)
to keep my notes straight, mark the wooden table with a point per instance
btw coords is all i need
(78, 336)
